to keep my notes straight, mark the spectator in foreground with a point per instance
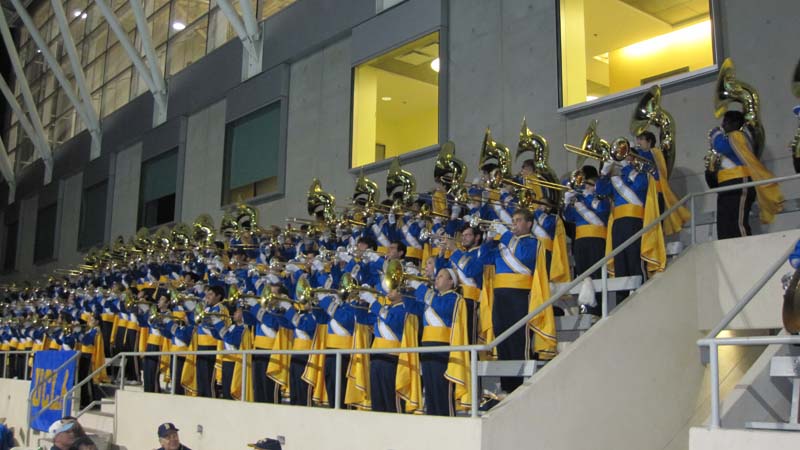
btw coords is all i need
(83, 443)
(266, 444)
(65, 432)
(168, 437)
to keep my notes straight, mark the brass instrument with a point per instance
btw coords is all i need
(203, 231)
(648, 113)
(395, 278)
(791, 304)
(494, 155)
(731, 90)
(305, 295)
(247, 218)
(228, 227)
(545, 176)
(348, 286)
(482, 224)
(713, 159)
(426, 212)
(401, 186)
(320, 204)
(366, 191)
(271, 301)
(450, 171)
(597, 148)
(201, 316)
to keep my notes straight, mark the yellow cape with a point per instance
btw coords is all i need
(544, 323)
(314, 374)
(674, 222)
(769, 196)
(357, 392)
(236, 382)
(408, 384)
(458, 365)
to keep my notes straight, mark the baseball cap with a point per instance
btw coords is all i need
(166, 428)
(60, 426)
(266, 444)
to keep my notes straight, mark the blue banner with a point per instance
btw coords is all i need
(50, 392)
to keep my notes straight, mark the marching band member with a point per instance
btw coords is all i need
(469, 269)
(646, 147)
(738, 164)
(589, 212)
(208, 339)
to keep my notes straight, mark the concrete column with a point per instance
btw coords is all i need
(28, 209)
(125, 191)
(70, 207)
(204, 163)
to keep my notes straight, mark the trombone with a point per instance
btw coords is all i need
(597, 148)
(305, 295)
(394, 277)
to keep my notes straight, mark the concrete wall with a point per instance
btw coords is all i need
(705, 439)
(729, 268)
(231, 424)
(125, 191)
(631, 382)
(202, 176)
(13, 404)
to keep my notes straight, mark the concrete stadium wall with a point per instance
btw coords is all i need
(13, 404)
(231, 424)
(705, 439)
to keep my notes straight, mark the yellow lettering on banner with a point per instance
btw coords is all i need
(45, 393)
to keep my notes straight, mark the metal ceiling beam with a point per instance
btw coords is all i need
(147, 44)
(159, 95)
(35, 130)
(248, 33)
(80, 78)
(27, 126)
(80, 107)
(8, 172)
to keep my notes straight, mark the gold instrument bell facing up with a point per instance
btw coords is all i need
(729, 90)
(401, 185)
(320, 204)
(649, 113)
(366, 193)
(545, 176)
(494, 154)
(449, 170)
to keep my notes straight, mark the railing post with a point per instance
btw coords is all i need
(173, 374)
(715, 420)
(473, 357)
(244, 377)
(122, 374)
(604, 277)
(338, 395)
(692, 220)
(5, 366)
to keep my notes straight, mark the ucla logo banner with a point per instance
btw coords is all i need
(50, 392)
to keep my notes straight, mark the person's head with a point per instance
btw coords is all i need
(521, 222)
(168, 436)
(214, 295)
(528, 168)
(430, 267)
(470, 236)
(366, 243)
(646, 140)
(266, 444)
(66, 432)
(445, 280)
(83, 443)
(732, 121)
(397, 250)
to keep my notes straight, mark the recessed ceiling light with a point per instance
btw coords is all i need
(76, 13)
(84, 15)
(386, 99)
(435, 65)
(178, 26)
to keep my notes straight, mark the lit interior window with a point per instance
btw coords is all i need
(396, 102)
(608, 46)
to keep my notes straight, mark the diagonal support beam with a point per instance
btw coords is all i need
(27, 126)
(34, 129)
(51, 61)
(80, 78)
(159, 94)
(8, 172)
(147, 45)
(248, 33)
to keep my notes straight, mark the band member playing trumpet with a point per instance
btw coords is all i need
(208, 339)
(645, 147)
(735, 164)
(469, 269)
(589, 212)
(444, 375)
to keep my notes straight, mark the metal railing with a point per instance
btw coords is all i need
(712, 342)
(472, 349)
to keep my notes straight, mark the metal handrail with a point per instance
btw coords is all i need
(712, 342)
(473, 349)
(88, 378)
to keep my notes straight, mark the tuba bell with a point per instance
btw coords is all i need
(592, 146)
(648, 113)
(366, 193)
(545, 176)
(449, 170)
(203, 231)
(494, 156)
(731, 90)
(401, 185)
(320, 204)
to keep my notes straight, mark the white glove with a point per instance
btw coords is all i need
(569, 197)
(504, 190)
(317, 265)
(411, 269)
(292, 268)
(607, 167)
(624, 163)
(499, 229)
(437, 220)
(368, 297)
(414, 284)
(392, 219)
(371, 256)
(467, 218)
(214, 320)
(251, 301)
(455, 212)
(273, 279)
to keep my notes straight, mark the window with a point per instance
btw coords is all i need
(93, 215)
(10, 256)
(608, 46)
(396, 102)
(45, 244)
(157, 191)
(252, 146)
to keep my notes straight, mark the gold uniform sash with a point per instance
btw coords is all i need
(769, 196)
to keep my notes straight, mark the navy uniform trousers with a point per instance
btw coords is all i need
(509, 306)
(330, 378)
(438, 390)
(298, 389)
(205, 371)
(628, 262)
(382, 377)
(263, 386)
